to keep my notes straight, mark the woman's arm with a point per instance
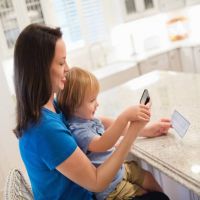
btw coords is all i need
(112, 134)
(80, 170)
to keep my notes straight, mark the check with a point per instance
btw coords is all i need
(180, 123)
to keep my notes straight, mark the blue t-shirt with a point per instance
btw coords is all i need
(83, 131)
(43, 147)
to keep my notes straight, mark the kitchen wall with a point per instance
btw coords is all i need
(9, 154)
(126, 39)
(151, 32)
(135, 37)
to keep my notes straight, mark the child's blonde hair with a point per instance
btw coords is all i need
(79, 83)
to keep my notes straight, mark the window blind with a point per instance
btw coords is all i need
(81, 20)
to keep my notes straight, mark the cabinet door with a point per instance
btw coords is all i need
(187, 61)
(14, 16)
(191, 2)
(159, 62)
(196, 53)
(166, 5)
(146, 5)
(9, 27)
(174, 60)
(132, 9)
(118, 78)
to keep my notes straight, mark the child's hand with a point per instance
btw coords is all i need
(138, 113)
(158, 128)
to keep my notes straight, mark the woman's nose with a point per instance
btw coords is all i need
(66, 67)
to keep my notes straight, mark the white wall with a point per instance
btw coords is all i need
(9, 154)
(135, 36)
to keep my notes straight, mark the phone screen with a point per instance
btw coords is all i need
(145, 97)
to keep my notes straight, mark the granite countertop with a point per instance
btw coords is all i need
(113, 68)
(177, 157)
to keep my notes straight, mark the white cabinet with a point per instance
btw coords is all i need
(159, 62)
(14, 16)
(191, 2)
(187, 61)
(174, 60)
(196, 56)
(166, 5)
(115, 74)
(132, 9)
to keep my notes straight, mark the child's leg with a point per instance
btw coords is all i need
(126, 190)
(136, 175)
(150, 183)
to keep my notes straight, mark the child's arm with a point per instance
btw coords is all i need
(112, 134)
(97, 179)
(156, 129)
(108, 121)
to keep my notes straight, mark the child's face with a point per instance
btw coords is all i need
(88, 107)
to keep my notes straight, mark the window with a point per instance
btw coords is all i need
(82, 21)
(68, 20)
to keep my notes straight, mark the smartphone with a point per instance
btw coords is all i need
(145, 97)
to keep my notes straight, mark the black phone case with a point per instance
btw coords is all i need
(145, 95)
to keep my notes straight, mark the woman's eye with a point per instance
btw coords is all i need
(62, 63)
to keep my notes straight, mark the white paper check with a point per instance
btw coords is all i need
(179, 123)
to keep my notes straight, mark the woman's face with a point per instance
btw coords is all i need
(58, 67)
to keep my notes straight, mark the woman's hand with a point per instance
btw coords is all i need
(138, 113)
(157, 129)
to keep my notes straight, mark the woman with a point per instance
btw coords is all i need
(57, 168)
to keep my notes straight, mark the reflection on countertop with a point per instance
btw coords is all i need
(177, 157)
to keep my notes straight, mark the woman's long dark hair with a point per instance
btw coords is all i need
(33, 55)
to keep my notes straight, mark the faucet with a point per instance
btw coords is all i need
(97, 50)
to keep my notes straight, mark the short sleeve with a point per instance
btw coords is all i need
(56, 144)
(83, 136)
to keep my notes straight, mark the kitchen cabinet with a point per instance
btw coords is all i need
(187, 60)
(133, 9)
(196, 57)
(123, 72)
(14, 16)
(159, 62)
(174, 60)
(191, 2)
(167, 5)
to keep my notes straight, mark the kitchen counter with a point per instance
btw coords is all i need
(178, 158)
(116, 73)
(120, 71)
(168, 46)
